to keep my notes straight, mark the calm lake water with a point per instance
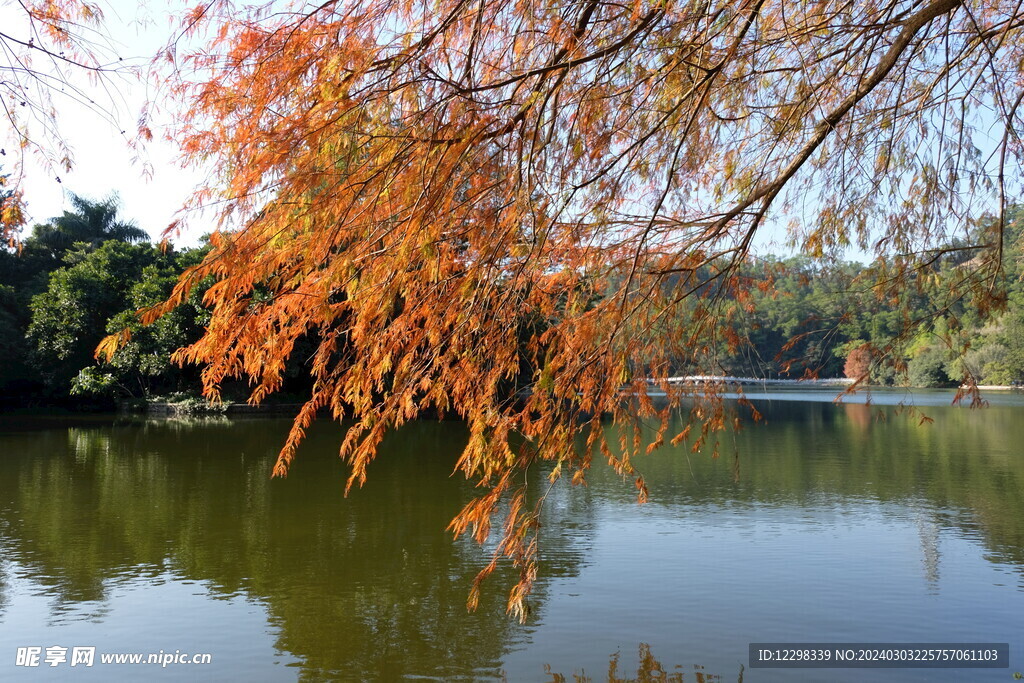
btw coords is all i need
(840, 523)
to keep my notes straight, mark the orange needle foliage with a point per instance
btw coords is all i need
(521, 211)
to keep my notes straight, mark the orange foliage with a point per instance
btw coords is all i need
(858, 363)
(531, 214)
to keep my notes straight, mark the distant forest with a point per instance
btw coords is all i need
(827, 321)
(83, 275)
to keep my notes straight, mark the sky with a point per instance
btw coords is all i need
(154, 188)
(151, 188)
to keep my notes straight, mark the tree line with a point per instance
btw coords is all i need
(829, 320)
(85, 274)
(70, 282)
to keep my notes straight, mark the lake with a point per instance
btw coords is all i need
(826, 523)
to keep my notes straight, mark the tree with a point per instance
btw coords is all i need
(70, 317)
(858, 362)
(26, 273)
(73, 279)
(10, 206)
(91, 223)
(410, 185)
(927, 368)
(141, 367)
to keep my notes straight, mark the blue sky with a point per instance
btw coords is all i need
(153, 188)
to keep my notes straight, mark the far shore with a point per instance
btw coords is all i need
(812, 382)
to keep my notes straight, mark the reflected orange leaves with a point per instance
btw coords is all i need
(649, 670)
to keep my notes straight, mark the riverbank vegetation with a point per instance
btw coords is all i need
(827, 320)
(72, 281)
(85, 274)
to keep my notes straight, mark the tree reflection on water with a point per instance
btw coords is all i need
(648, 670)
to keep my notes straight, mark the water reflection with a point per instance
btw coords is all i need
(648, 670)
(371, 587)
(364, 587)
(965, 469)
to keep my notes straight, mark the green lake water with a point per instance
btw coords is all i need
(837, 523)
